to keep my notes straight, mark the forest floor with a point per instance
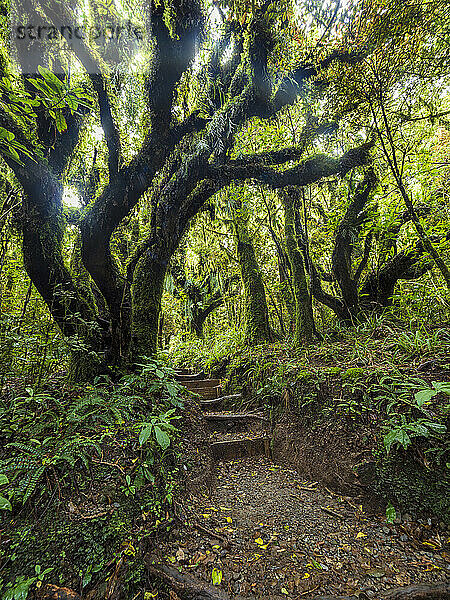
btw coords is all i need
(269, 534)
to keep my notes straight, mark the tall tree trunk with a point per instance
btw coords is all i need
(42, 238)
(391, 158)
(304, 320)
(146, 292)
(256, 314)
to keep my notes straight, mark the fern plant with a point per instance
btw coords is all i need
(47, 440)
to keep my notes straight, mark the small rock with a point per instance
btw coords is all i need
(407, 518)
(180, 555)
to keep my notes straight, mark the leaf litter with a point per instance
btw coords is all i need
(281, 538)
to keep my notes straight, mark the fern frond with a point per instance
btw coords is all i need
(33, 481)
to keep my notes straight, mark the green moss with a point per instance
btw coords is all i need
(305, 375)
(257, 328)
(352, 373)
(147, 290)
(304, 321)
(332, 371)
(412, 487)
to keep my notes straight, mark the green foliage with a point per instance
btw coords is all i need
(51, 438)
(156, 378)
(400, 432)
(114, 443)
(10, 147)
(409, 412)
(161, 428)
(208, 354)
(391, 514)
(19, 589)
(423, 396)
(5, 504)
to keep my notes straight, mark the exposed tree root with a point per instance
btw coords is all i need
(186, 587)
(53, 592)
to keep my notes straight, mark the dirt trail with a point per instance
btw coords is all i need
(264, 532)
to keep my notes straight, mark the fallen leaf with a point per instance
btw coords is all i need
(216, 576)
(375, 573)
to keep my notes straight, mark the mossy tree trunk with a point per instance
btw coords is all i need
(177, 168)
(304, 320)
(347, 275)
(256, 314)
(42, 239)
(147, 291)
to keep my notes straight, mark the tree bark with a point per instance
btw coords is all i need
(256, 314)
(147, 291)
(186, 586)
(378, 288)
(346, 235)
(304, 320)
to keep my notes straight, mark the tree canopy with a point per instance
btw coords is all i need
(276, 125)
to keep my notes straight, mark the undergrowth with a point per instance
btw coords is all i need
(381, 374)
(84, 476)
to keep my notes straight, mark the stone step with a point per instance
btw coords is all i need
(218, 402)
(182, 371)
(234, 418)
(182, 377)
(208, 393)
(200, 383)
(241, 448)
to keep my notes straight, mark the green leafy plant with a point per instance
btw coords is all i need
(5, 504)
(156, 378)
(161, 428)
(391, 514)
(424, 395)
(401, 433)
(19, 590)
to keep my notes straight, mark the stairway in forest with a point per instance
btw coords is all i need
(233, 434)
(263, 532)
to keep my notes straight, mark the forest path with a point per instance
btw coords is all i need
(265, 533)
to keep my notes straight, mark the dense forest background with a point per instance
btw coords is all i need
(262, 194)
(291, 180)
